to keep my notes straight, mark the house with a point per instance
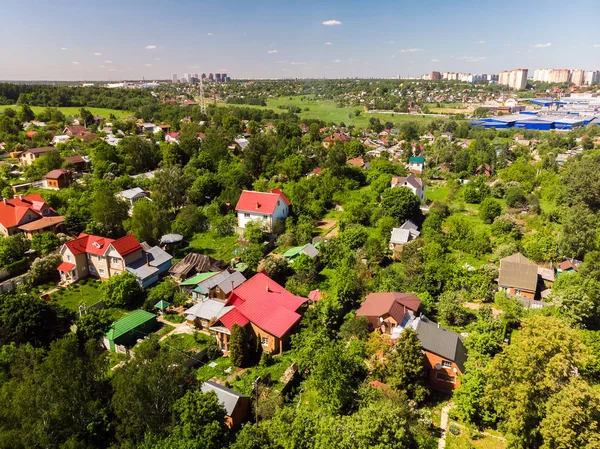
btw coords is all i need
(190, 283)
(387, 312)
(90, 255)
(417, 185)
(75, 130)
(427, 136)
(204, 314)
(358, 162)
(236, 405)
(166, 129)
(132, 196)
(484, 169)
(172, 138)
(308, 249)
(316, 172)
(402, 235)
(267, 310)
(263, 207)
(241, 143)
(446, 135)
(568, 266)
(58, 179)
(195, 263)
(28, 214)
(444, 351)
(79, 162)
(128, 330)
(218, 286)
(416, 163)
(27, 157)
(335, 137)
(518, 276)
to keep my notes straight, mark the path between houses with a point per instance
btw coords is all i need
(181, 328)
(476, 306)
(444, 425)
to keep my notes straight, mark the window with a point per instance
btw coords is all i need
(89, 256)
(246, 215)
(445, 378)
(92, 269)
(68, 258)
(99, 258)
(115, 260)
(265, 341)
(101, 270)
(446, 364)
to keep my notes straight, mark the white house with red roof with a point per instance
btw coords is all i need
(263, 207)
(91, 255)
(267, 310)
(28, 214)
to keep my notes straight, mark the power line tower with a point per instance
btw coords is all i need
(202, 101)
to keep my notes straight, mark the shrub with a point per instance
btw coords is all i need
(454, 429)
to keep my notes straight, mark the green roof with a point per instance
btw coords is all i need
(292, 252)
(128, 323)
(198, 278)
(420, 159)
(162, 304)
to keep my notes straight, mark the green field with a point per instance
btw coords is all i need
(73, 111)
(328, 111)
(78, 293)
(214, 245)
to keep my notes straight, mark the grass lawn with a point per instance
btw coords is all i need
(275, 371)
(184, 342)
(73, 111)
(464, 440)
(328, 111)
(164, 330)
(207, 372)
(214, 245)
(174, 318)
(437, 192)
(78, 293)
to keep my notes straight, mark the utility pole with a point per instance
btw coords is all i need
(202, 102)
(255, 385)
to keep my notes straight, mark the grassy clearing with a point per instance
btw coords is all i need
(73, 111)
(214, 245)
(184, 342)
(173, 318)
(243, 383)
(437, 193)
(164, 330)
(207, 372)
(78, 293)
(490, 440)
(328, 111)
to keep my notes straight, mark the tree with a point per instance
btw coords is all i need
(12, 249)
(170, 185)
(404, 366)
(578, 234)
(45, 269)
(253, 232)
(239, 346)
(514, 197)
(190, 219)
(277, 268)
(148, 222)
(25, 114)
(94, 324)
(108, 212)
(252, 255)
(137, 154)
(45, 242)
(450, 309)
(86, 117)
(489, 209)
(572, 418)
(400, 203)
(121, 290)
(355, 327)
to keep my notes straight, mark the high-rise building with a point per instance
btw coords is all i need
(174, 77)
(211, 76)
(186, 77)
(515, 79)
(592, 77)
(435, 76)
(577, 77)
(223, 77)
(204, 76)
(217, 77)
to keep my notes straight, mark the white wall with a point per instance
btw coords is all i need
(281, 212)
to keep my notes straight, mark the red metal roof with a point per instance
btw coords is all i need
(86, 243)
(126, 245)
(234, 316)
(13, 210)
(260, 202)
(66, 266)
(55, 174)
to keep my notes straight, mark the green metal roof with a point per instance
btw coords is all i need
(292, 252)
(198, 278)
(162, 304)
(417, 159)
(128, 323)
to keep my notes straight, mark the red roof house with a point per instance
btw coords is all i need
(24, 209)
(265, 207)
(387, 311)
(265, 308)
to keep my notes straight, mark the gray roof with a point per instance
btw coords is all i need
(408, 224)
(211, 308)
(227, 397)
(222, 280)
(400, 181)
(405, 233)
(310, 251)
(132, 193)
(141, 269)
(243, 143)
(518, 272)
(441, 341)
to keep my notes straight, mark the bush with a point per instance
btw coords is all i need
(454, 429)
(489, 210)
(515, 197)
(266, 359)
(212, 350)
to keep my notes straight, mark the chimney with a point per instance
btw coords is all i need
(21, 197)
(438, 325)
(232, 285)
(257, 205)
(148, 259)
(268, 286)
(4, 200)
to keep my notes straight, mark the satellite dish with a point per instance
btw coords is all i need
(455, 370)
(438, 366)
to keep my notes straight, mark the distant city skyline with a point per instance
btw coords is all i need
(336, 39)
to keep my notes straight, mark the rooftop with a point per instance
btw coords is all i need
(128, 323)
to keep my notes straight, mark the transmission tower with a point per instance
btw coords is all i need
(202, 102)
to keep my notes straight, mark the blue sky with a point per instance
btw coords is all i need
(130, 39)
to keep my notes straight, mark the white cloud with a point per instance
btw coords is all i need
(435, 60)
(64, 48)
(336, 61)
(332, 22)
(108, 62)
(75, 63)
(472, 58)
(481, 42)
(148, 65)
(101, 66)
(411, 50)
(150, 47)
(298, 63)
(273, 51)
(546, 45)
(328, 43)
(97, 54)
(157, 59)
(210, 34)
(596, 45)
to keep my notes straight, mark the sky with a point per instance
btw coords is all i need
(131, 39)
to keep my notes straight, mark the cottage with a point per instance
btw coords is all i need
(195, 263)
(416, 163)
(267, 311)
(57, 179)
(27, 157)
(417, 185)
(518, 276)
(358, 162)
(262, 207)
(335, 137)
(308, 249)
(28, 214)
(237, 405)
(218, 286)
(132, 196)
(206, 312)
(75, 130)
(388, 312)
(78, 162)
(172, 138)
(128, 330)
(403, 235)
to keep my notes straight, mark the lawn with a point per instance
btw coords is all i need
(328, 111)
(218, 246)
(184, 342)
(75, 294)
(174, 318)
(480, 441)
(243, 383)
(207, 372)
(437, 193)
(164, 330)
(73, 111)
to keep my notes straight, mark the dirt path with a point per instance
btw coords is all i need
(181, 328)
(477, 306)
(444, 425)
